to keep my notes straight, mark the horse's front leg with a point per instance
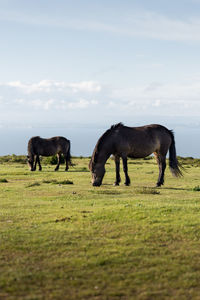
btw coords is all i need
(38, 160)
(125, 168)
(34, 164)
(117, 166)
(58, 164)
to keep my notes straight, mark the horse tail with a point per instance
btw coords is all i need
(174, 165)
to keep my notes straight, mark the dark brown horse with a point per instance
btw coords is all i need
(134, 142)
(46, 147)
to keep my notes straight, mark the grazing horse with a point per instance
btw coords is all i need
(134, 142)
(46, 147)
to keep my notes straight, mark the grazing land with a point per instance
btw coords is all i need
(61, 238)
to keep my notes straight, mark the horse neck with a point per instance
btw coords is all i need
(105, 150)
(30, 149)
(103, 157)
(104, 154)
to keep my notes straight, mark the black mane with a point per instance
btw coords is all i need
(101, 140)
(115, 126)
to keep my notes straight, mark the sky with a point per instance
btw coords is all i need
(69, 67)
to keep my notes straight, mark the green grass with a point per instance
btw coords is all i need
(54, 181)
(75, 241)
(3, 180)
(196, 188)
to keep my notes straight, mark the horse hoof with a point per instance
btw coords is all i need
(116, 184)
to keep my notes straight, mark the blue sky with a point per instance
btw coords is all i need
(99, 62)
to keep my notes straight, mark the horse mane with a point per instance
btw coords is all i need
(101, 140)
(115, 126)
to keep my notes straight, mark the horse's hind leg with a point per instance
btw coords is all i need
(125, 168)
(161, 160)
(117, 165)
(58, 164)
(66, 161)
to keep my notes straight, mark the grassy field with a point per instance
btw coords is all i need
(61, 238)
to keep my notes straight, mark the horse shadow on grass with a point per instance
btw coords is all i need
(176, 188)
(63, 171)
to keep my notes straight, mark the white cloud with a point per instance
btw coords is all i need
(155, 98)
(29, 88)
(41, 104)
(82, 103)
(85, 86)
(156, 103)
(48, 86)
(48, 104)
(19, 101)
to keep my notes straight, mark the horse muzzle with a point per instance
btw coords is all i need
(96, 183)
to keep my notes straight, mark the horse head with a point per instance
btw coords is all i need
(30, 161)
(98, 171)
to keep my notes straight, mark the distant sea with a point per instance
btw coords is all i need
(83, 139)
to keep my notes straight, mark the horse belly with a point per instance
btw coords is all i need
(142, 154)
(47, 152)
(141, 151)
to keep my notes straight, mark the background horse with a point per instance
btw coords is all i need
(134, 142)
(47, 147)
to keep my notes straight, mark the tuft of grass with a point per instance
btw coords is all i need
(196, 188)
(106, 192)
(147, 190)
(189, 161)
(22, 159)
(53, 160)
(3, 180)
(49, 181)
(33, 184)
(64, 182)
(84, 169)
(54, 181)
(148, 157)
(63, 219)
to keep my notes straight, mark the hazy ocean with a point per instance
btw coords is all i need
(83, 139)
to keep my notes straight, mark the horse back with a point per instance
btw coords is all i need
(142, 141)
(48, 147)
